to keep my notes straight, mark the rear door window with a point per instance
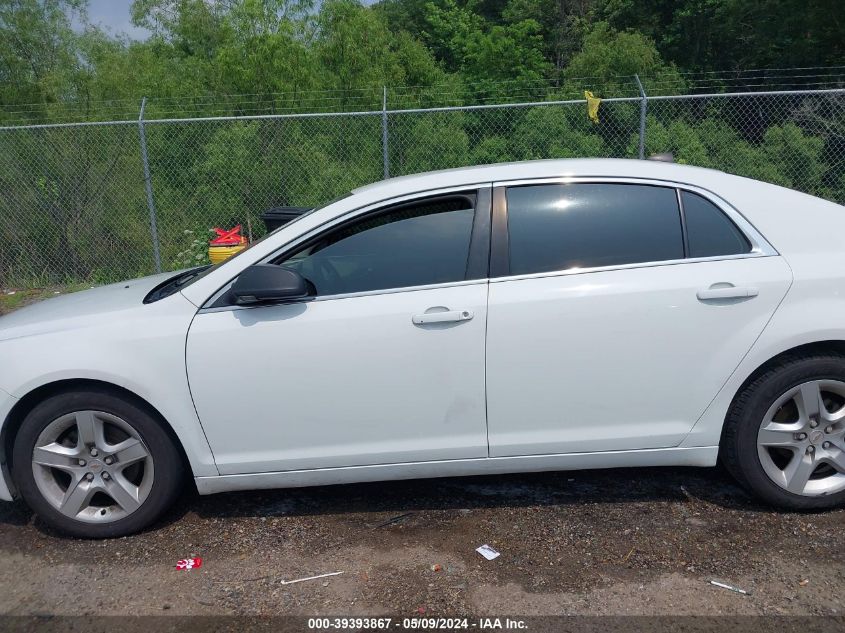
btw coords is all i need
(555, 227)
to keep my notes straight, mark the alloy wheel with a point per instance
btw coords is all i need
(92, 466)
(801, 440)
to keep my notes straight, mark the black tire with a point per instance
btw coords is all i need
(169, 471)
(738, 449)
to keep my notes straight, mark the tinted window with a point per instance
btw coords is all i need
(412, 245)
(709, 231)
(557, 227)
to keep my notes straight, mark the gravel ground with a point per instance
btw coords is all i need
(613, 542)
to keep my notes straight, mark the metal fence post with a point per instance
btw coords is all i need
(643, 106)
(384, 132)
(149, 188)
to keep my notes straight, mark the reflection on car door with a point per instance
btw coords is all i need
(385, 365)
(615, 319)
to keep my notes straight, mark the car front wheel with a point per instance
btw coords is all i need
(93, 464)
(784, 437)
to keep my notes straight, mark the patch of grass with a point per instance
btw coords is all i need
(11, 299)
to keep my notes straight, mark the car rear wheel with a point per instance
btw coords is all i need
(93, 464)
(784, 437)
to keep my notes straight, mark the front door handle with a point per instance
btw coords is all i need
(449, 316)
(727, 292)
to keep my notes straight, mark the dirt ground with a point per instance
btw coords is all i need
(614, 542)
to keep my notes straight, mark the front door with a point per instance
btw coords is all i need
(385, 365)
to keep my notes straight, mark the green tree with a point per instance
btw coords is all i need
(38, 62)
(555, 132)
(735, 34)
(607, 54)
(357, 52)
(485, 55)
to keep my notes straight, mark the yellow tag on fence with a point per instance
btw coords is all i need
(593, 104)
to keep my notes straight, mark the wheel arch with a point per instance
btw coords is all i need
(12, 424)
(781, 358)
(738, 440)
(799, 351)
(709, 429)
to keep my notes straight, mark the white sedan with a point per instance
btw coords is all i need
(534, 316)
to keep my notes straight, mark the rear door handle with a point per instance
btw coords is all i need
(727, 292)
(449, 316)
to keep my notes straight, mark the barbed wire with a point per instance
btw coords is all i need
(450, 93)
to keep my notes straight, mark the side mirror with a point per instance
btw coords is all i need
(267, 283)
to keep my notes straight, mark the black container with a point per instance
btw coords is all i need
(279, 216)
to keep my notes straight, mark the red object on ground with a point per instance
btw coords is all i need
(232, 237)
(189, 563)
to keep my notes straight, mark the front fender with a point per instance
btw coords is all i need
(141, 351)
(7, 402)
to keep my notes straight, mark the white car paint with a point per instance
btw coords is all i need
(6, 404)
(108, 334)
(398, 392)
(619, 359)
(699, 456)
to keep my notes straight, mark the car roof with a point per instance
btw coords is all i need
(552, 168)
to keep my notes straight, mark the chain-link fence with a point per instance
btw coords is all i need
(76, 203)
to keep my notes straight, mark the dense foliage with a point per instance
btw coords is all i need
(73, 202)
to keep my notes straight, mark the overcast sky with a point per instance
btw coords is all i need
(113, 15)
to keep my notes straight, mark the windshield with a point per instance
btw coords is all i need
(186, 278)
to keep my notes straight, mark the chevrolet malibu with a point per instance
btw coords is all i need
(535, 316)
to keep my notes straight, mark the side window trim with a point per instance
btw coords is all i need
(499, 244)
(472, 196)
(316, 236)
(478, 259)
(684, 233)
(500, 266)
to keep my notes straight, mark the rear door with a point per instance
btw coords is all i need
(616, 312)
